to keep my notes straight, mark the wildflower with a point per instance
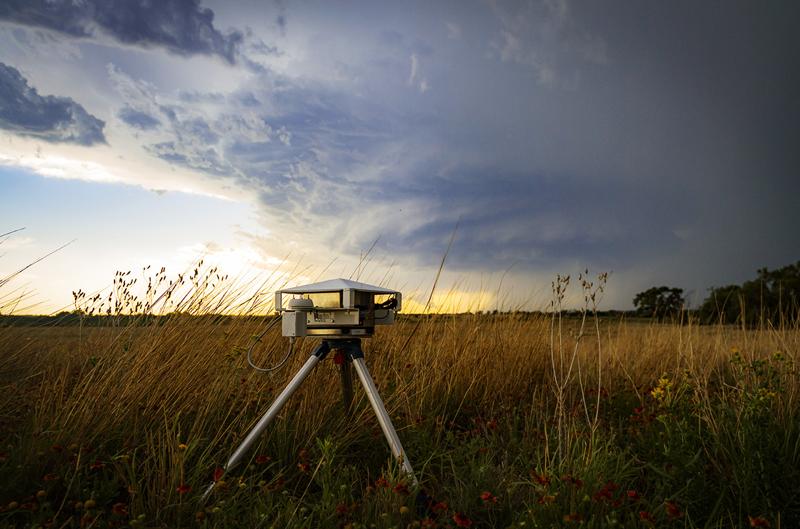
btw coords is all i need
(120, 509)
(57, 448)
(541, 479)
(304, 467)
(488, 497)
(645, 516)
(13, 505)
(97, 465)
(89, 504)
(401, 488)
(546, 499)
(200, 516)
(50, 477)
(606, 493)
(41, 495)
(427, 523)
(673, 511)
(758, 521)
(183, 489)
(404, 509)
(342, 509)
(461, 520)
(218, 473)
(657, 393)
(578, 483)
(260, 460)
(182, 447)
(278, 483)
(633, 495)
(573, 517)
(439, 506)
(381, 482)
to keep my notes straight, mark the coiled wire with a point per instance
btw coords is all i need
(258, 339)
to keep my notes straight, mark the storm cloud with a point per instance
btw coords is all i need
(649, 137)
(179, 26)
(55, 119)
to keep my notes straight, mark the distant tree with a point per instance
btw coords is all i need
(659, 302)
(772, 296)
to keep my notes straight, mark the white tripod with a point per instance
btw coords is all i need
(351, 349)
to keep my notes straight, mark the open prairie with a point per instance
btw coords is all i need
(515, 419)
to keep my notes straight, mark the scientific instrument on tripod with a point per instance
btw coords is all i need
(340, 312)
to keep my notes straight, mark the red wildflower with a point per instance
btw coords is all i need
(381, 482)
(578, 483)
(120, 509)
(673, 511)
(606, 493)
(758, 521)
(275, 485)
(439, 507)
(427, 523)
(492, 424)
(401, 488)
(302, 454)
(573, 517)
(488, 497)
(97, 465)
(57, 449)
(633, 495)
(49, 477)
(541, 479)
(646, 517)
(304, 467)
(461, 520)
(342, 509)
(260, 460)
(546, 499)
(218, 473)
(183, 488)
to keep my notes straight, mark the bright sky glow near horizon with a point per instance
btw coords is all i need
(656, 140)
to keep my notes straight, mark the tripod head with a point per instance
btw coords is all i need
(337, 308)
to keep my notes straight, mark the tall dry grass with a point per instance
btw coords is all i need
(140, 411)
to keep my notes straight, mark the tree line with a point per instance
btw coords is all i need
(772, 296)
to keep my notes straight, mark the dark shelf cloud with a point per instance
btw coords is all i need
(51, 118)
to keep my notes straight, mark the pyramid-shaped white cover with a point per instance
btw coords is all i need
(333, 285)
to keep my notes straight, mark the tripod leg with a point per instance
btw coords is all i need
(318, 354)
(383, 417)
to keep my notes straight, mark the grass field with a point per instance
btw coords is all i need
(509, 420)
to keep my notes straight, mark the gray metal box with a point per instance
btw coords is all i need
(294, 323)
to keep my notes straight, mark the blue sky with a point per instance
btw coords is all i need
(654, 140)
